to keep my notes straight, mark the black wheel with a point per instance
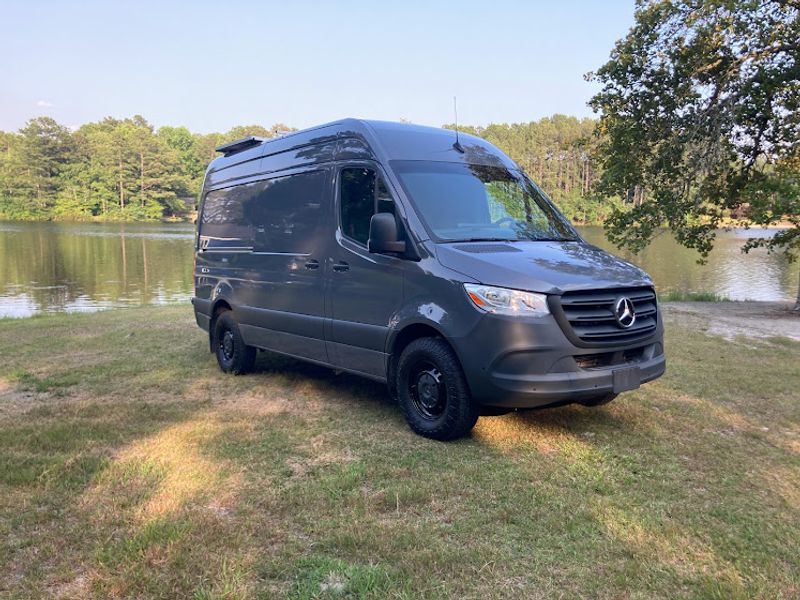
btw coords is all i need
(233, 355)
(598, 400)
(432, 391)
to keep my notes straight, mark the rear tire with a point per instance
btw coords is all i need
(598, 400)
(233, 355)
(433, 392)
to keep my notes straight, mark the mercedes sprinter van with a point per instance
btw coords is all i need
(417, 258)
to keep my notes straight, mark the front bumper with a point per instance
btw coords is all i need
(530, 391)
(527, 364)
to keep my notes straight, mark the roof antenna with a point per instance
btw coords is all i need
(457, 145)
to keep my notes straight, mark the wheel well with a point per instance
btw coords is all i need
(219, 307)
(403, 339)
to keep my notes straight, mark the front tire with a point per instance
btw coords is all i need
(233, 355)
(433, 392)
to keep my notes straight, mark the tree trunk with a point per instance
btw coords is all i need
(121, 189)
(141, 176)
(797, 302)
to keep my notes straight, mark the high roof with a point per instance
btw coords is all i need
(355, 139)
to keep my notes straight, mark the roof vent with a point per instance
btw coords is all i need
(240, 145)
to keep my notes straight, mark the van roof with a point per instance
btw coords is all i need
(353, 139)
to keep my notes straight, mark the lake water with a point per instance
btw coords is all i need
(54, 267)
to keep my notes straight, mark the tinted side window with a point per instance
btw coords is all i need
(286, 212)
(224, 221)
(362, 194)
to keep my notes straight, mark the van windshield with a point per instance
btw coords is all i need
(466, 202)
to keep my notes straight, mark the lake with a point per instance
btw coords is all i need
(55, 267)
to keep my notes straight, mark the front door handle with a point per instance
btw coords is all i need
(341, 266)
(312, 264)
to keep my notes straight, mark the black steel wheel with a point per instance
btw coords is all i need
(433, 392)
(233, 355)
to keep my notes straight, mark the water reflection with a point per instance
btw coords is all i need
(49, 267)
(754, 276)
(53, 267)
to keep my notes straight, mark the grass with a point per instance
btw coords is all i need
(131, 467)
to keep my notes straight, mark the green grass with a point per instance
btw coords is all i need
(684, 296)
(131, 467)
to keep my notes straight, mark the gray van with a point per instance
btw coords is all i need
(421, 259)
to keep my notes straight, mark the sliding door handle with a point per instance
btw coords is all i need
(312, 264)
(341, 266)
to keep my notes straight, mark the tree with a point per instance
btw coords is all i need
(186, 145)
(31, 165)
(557, 153)
(114, 169)
(700, 119)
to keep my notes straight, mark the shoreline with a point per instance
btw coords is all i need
(192, 219)
(725, 318)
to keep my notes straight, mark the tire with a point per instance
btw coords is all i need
(233, 355)
(433, 392)
(598, 400)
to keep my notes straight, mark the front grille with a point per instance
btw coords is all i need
(590, 314)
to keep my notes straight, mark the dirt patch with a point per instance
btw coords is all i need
(732, 319)
(320, 456)
(13, 400)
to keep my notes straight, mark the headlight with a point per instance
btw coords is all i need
(507, 302)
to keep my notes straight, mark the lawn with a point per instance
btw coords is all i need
(131, 467)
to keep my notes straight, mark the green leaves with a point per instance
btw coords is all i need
(557, 152)
(115, 169)
(699, 120)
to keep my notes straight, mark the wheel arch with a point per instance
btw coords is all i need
(220, 305)
(401, 338)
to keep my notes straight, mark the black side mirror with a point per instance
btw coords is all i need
(384, 234)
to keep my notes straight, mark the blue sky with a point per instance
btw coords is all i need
(212, 65)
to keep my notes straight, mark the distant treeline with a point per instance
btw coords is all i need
(125, 169)
(558, 152)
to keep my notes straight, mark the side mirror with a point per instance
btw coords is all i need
(384, 235)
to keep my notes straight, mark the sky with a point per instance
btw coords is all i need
(212, 65)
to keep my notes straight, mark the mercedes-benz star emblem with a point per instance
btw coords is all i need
(624, 312)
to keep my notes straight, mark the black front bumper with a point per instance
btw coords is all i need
(528, 363)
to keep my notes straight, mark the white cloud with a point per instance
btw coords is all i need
(44, 104)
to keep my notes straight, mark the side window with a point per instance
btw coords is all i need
(362, 194)
(286, 212)
(224, 222)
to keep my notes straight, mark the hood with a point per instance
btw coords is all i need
(546, 267)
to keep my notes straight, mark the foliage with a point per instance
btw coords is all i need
(123, 169)
(700, 121)
(115, 169)
(558, 153)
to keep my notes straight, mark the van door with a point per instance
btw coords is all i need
(364, 290)
(283, 287)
